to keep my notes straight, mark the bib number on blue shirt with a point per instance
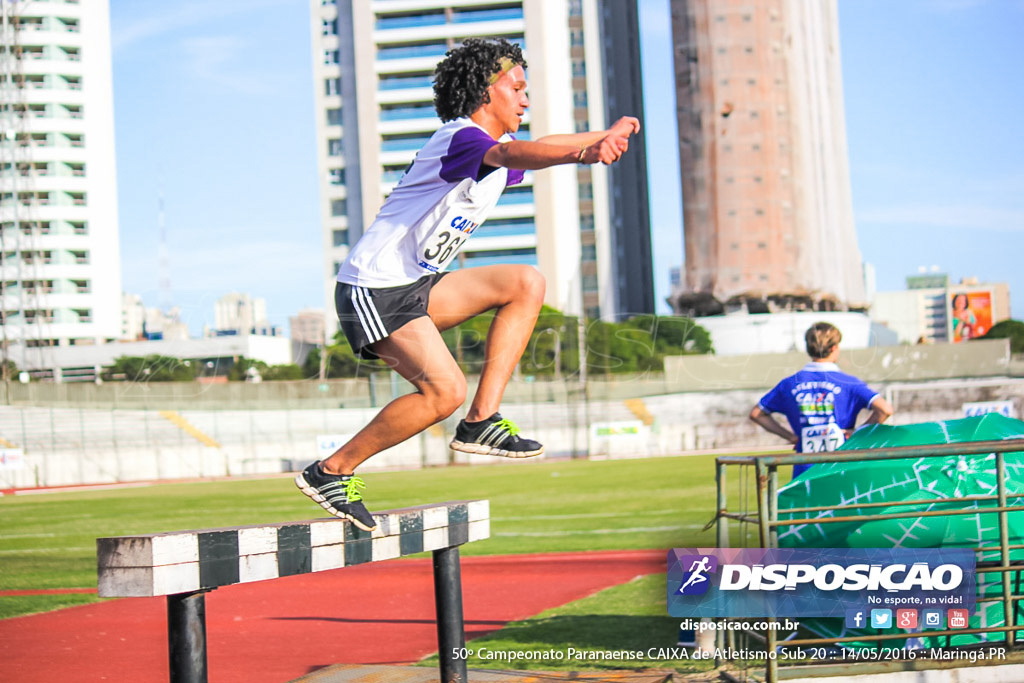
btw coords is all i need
(821, 438)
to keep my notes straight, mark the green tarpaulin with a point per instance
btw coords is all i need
(948, 478)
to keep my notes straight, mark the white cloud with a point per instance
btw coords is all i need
(216, 59)
(164, 18)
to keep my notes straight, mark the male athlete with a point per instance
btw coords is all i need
(393, 296)
(820, 402)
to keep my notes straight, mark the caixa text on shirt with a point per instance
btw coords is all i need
(812, 582)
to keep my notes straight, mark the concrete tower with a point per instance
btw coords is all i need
(767, 209)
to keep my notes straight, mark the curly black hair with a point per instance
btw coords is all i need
(463, 76)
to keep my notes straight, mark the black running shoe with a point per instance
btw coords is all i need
(338, 494)
(494, 436)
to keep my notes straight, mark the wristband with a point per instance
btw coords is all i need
(579, 157)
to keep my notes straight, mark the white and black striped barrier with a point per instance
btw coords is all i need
(184, 565)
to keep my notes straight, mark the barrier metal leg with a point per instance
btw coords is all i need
(451, 632)
(186, 637)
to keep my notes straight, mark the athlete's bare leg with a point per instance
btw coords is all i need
(517, 292)
(416, 352)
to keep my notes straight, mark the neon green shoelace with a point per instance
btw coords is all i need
(352, 487)
(507, 425)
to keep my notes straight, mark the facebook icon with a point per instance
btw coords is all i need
(855, 618)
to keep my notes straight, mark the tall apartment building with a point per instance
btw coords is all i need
(373, 70)
(60, 278)
(762, 139)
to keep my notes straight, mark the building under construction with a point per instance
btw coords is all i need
(768, 218)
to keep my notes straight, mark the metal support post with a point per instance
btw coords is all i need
(451, 632)
(1009, 610)
(186, 637)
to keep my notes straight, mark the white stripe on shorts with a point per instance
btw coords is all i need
(368, 317)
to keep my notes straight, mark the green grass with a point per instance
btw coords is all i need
(48, 541)
(584, 635)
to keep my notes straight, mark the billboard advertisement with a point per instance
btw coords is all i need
(971, 314)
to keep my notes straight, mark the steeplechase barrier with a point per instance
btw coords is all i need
(185, 565)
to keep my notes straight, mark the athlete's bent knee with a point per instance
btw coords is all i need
(530, 284)
(448, 397)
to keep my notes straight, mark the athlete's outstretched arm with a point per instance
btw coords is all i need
(603, 146)
(624, 127)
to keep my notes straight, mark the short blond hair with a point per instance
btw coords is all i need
(821, 339)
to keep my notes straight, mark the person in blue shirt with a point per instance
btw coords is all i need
(821, 403)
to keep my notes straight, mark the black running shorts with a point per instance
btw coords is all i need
(368, 315)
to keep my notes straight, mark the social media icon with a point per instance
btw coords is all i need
(881, 618)
(958, 618)
(856, 618)
(932, 618)
(906, 618)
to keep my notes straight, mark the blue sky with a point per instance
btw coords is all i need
(214, 112)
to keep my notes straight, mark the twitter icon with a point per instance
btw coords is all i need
(881, 618)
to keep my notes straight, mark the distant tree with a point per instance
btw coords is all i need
(289, 371)
(1008, 329)
(152, 368)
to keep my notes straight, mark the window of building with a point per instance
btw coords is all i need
(589, 252)
(339, 238)
(517, 194)
(329, 27)
(334, 147)
(81, 286)
(331, 57)
(579, 68)
(339, 207)
(80, 227)
(80, 257)
(576, 38)
(579, 99)
(413, 51)
(586, 191)
(398, 112)
(461, 16)
(587, 223)
(334, 116)
(508, 227)
(589, 283)
(337, 176)
(575, 8)
(406, 142)
(405, 81)
(332, 86)
(410, 20)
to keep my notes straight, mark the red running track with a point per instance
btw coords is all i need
(275, 631)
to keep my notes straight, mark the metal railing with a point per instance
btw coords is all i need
(766, 520)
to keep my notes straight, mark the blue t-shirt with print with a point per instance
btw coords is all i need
(818, 394)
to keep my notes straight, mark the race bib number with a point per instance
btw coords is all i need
(821, 438)
(444, 231)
